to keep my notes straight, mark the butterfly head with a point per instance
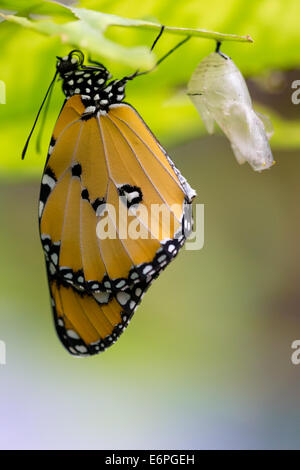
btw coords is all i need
(91, 82)
(69, 63)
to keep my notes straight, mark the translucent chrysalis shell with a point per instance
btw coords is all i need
(219, 92)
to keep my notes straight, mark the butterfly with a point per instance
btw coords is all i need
(103, 159)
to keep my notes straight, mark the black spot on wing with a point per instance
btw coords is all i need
(44, 193)
(48, 182)
(99, 205)
(131, 194)
(85, 195)
(76, 170)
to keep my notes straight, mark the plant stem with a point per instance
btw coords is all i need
(201, 33)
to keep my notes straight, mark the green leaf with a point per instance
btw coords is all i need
(88, 33)
(80, 34)
(35, 7)
(16, 4)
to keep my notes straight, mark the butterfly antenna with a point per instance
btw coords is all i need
(180, 43)
(157, 37)
(38, 114)
(171, 51)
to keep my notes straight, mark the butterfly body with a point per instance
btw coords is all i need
(104, 164)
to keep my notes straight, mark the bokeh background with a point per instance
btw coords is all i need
(206, 361)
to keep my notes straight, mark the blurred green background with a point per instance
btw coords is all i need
(205, 362)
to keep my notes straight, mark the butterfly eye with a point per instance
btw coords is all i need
(76, 57)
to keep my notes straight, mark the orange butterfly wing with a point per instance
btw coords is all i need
(96, 283)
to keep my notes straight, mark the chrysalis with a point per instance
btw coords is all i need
(219, 92)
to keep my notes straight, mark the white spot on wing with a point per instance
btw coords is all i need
(102, 297)
(49, 181)
(147, 269)
(72, 334)
(122, 298)
(41, 208)
(90, 109)
(82, 349)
